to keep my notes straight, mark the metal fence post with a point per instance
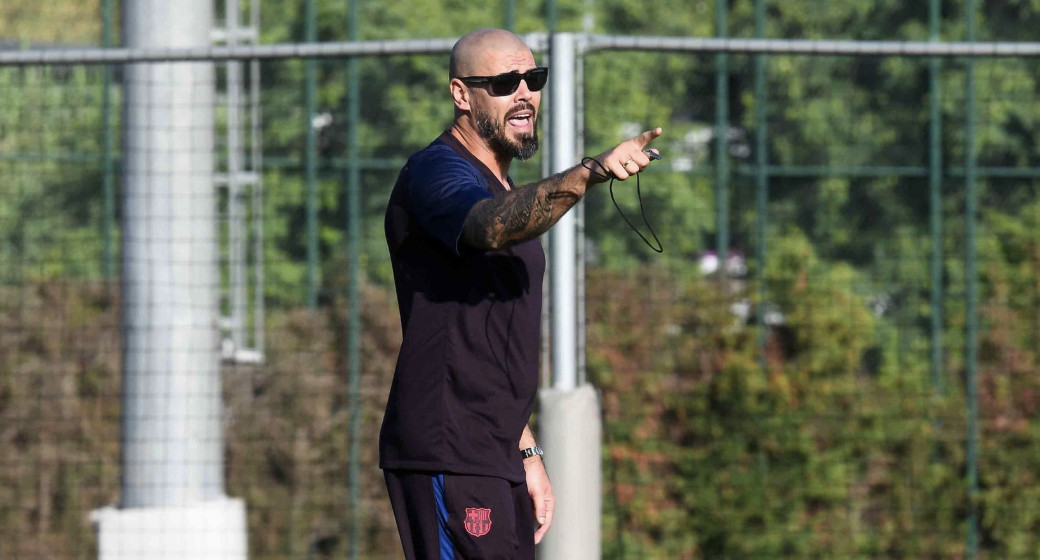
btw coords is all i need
(971, 291)
(354, 285)
(311, 157)
(935, 180)
(108, 145)
(721, 140)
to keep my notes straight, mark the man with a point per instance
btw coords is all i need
(463, 470)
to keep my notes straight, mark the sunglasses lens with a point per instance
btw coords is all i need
(536, 79)
(505, 84)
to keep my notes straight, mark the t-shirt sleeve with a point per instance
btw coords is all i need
(442, 190)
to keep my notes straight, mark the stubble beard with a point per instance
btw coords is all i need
(522, 148)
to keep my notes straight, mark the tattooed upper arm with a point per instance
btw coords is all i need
(519, 215)
(478, 229)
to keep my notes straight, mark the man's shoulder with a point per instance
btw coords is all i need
(437, 152)
(441, 160)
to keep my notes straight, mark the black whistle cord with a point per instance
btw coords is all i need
(604, 174)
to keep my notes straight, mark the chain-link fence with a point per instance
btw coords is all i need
(835, 356)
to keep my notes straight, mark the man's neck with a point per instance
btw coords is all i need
(476, 145)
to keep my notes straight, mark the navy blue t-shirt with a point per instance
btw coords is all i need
(467, 372)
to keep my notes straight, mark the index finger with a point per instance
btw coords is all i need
(646, 137)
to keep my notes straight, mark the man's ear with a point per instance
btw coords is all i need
(460, 94)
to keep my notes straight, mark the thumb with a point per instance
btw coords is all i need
(539, 511)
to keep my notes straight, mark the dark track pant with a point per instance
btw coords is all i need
(461, 517)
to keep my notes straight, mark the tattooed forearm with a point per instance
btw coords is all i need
(521, 214)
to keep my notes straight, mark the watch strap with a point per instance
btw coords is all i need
(531, 452)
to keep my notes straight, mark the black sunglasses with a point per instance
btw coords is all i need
(506, 84)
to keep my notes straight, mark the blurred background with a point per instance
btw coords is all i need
(835, 357)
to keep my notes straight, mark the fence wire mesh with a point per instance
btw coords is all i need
(779, 400)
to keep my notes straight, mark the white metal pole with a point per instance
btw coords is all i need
(563, 234)
(172, 505)
(237, 225)
(569, 419)
(172, 432)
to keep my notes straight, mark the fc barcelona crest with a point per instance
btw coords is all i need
(478, 521)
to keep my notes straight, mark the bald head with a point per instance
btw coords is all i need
(477, 51)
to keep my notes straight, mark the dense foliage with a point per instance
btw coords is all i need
(820, 431)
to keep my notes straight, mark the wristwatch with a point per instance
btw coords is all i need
(531, 452)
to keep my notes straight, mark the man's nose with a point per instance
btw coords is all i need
(523, 92)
